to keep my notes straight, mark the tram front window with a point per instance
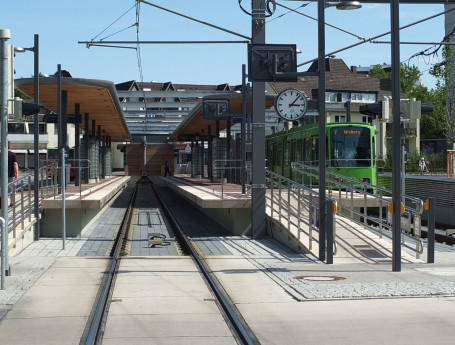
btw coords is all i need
(350, 147)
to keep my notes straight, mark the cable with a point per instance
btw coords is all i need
(139, 64)
(315, 19)
(290, 11)
(114, 23)
(268, 9)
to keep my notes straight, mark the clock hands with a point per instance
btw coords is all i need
(293, 103)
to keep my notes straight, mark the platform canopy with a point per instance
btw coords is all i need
(96, 97)
(194, 123)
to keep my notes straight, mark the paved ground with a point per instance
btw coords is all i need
(286, 298)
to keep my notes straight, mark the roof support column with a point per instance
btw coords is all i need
(210, 153)
(202, 154)
(192, 153)
(98, 140)
(86, 140)
(228, 150)
(77, 148)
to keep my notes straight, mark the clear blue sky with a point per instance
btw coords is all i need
(61, 24)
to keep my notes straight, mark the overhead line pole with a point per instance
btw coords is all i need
(396, 136)
(258, 224)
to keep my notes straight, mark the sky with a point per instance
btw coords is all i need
(62, 24)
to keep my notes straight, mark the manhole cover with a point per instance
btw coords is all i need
(319, 278)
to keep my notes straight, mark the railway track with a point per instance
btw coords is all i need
(240, 330)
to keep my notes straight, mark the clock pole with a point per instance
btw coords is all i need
(258, 224)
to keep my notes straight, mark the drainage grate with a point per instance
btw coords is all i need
(319, 278)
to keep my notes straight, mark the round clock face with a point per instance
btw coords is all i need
(291, 104)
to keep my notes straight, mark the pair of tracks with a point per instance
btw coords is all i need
(238, 327)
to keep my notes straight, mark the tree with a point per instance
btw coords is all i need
(446, 92)
(433, 125)
(409, 76)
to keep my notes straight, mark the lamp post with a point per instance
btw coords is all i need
(35, 50)
(344, 5)
(396, 136)
(4, 36)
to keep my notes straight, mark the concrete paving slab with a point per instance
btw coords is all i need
(160, 285)
(69, 301)
(42, 331)
(81, 276)
(164, 305)
(369, 322)
(152, 326)
(54, 310)
(186, 340)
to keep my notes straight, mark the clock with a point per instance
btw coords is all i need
(291, 104)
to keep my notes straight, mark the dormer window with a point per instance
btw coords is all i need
(363, 97)
(336, 97)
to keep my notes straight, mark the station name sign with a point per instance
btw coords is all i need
(72, 118)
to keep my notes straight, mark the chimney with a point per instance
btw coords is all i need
(354, 69)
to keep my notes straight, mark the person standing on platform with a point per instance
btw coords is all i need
(166, 168)
(423, 166)
(13, 170)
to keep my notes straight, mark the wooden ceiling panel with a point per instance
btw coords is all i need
(98, 98)
(194, 124)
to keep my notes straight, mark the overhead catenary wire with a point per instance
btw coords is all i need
(315, 19)
(115, 21)
(139, 62)
(380, 35)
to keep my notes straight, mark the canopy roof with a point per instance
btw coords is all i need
(96, 97)
(194, 122)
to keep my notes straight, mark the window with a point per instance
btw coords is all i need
(366, 119)
(16, 128)
(332, 97)
(363, 97)
(350, 146)
(340, 118)
(42, 128)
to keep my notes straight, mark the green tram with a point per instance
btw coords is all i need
(350, 150)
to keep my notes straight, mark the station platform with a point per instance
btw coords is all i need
(82, 205)
(285, 297)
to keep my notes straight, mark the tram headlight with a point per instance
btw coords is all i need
(365, 179)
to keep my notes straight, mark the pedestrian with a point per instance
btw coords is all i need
(166, 168)
(423, 166)
(13, 170)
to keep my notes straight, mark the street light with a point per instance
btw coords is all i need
(35, 50)
(342, 5)
(345, 5)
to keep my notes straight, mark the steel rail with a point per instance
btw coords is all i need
(237, 325)
(97, 324)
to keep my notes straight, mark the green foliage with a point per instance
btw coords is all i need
(378, 72)
(409, 76)
(436, 162)
(433, 125)
(445, 92)
(20, 94)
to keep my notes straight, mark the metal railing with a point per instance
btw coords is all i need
(21, 198)
(54, 169)
(350, 190)
(290, 200)
(222, 165)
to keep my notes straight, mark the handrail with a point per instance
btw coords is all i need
(351, 186)
(359, 186)
(223, 168)
(23, 187)
(312, 200)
